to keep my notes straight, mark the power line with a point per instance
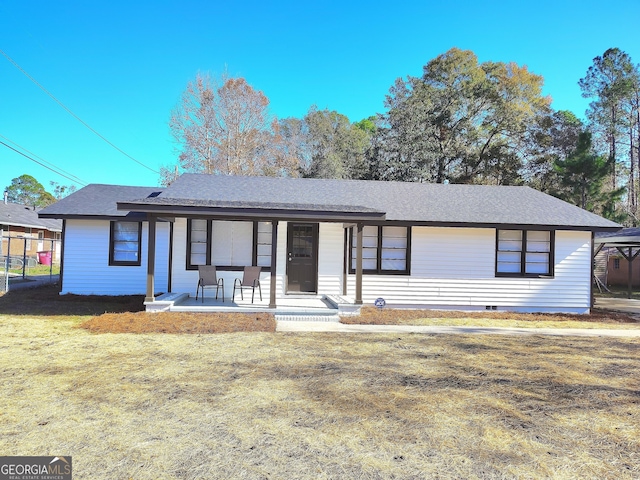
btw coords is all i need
(77, 180)
(41, 164)
(73, 114)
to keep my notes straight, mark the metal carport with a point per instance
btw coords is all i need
(626, 241)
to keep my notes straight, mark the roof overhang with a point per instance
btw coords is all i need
(26, 225)
(133, 216)
(251, 210)
(622, 240)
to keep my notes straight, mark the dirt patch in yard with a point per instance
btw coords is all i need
(179, 322)
(46, 300)
(376, 316)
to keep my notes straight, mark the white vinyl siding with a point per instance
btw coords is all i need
(451, 268)
(86, 261)
(454, 268)
(330, 258)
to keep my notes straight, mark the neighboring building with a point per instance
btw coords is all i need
(612, 266)
(29, 233)
(471, 247)
(618, 271)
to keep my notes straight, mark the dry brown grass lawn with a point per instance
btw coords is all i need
(597, 319)
(265, 405)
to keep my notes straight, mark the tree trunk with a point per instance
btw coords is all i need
(637, 108)
(440, 175)
(632, 176)
(612, 148)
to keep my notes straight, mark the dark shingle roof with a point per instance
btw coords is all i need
(15, 214)
(97, 200)
(254, 204)
(399, 201)
(624, 232)
(629, 236)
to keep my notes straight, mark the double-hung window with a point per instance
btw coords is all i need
(262, 244)
(125, 243)
(524, 253)
(198, 243)
(229, 245)
(385, 250)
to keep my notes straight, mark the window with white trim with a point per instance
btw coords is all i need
(384, 249)
(524, 253)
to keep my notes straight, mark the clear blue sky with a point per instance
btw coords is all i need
(121, 66)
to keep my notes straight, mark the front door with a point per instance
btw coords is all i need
(302, 257)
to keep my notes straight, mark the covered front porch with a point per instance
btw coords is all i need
(295, 278)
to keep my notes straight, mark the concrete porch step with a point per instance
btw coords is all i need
(301, 317)
(345, 305)
(165, 302)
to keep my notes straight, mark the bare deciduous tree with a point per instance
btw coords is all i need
(224, 127)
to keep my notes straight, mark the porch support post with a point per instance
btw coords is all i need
(151, 259)
(359, 237)
(345, 262)
(598, 248)
(630, 258)
(594, 252)
(61, 247)
(274, 256)
(630, 273)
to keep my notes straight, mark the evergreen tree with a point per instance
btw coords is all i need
(583, 176)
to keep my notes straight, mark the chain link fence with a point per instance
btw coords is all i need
(28, 260)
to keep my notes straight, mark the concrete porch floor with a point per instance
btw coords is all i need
(313, 307)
